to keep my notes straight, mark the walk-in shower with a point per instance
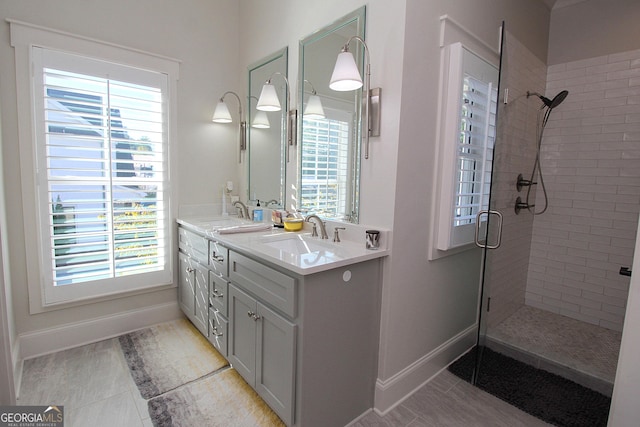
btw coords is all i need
(551, 294)
(543, 117)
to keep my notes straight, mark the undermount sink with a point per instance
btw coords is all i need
(297, 244)
(210, 224)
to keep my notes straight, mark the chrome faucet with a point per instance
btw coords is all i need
(274, 201)
(323, 230)
(242, 209)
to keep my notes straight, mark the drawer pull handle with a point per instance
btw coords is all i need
(216, 294)
(253, 315)
(190, 270)
(217, 258)
(216, 333)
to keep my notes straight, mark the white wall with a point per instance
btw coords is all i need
(286, 23)
(203, 36)
(625, 410)
(8, 345)
(591, 28)
(426, 305)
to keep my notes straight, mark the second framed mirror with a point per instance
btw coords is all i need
(329, 149)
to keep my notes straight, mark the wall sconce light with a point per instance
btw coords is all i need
(221, 115)
(269, 102)
(261, 120)
(314, 109)
(346, 76)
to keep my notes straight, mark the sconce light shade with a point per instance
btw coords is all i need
(261, 121)
(221, 113)
(268, 100)
(314, 109)
(346, 75)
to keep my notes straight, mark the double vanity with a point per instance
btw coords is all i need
(297, 316)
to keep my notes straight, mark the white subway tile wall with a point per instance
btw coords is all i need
(591, 168)
(507, 266)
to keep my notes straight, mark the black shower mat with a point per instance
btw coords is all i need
(547, 396)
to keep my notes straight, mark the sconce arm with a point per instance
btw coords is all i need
(243, 124)
(371, 129)
(230, 92)
(292, 113)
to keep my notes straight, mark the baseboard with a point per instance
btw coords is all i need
(394, 390)
(17, 364)
(71, 335)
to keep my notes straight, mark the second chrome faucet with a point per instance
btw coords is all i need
(242, 209)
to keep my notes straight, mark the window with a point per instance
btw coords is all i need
(475, 150)
(100, 146)
(467, 139)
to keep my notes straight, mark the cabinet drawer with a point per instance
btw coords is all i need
(218, 331)
(218, 288)
(193, 245)
(269, 285)
(218, 258)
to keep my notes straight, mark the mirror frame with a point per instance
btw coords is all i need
(282, 54)
(359, 18)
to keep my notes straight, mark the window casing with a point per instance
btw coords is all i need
(467, 137)
(99, 144)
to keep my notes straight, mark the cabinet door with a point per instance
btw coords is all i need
(201, 319)
(242, 333)
(276, 364)
(187, 285)
(218, 331)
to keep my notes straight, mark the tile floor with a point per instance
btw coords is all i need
(582, 352)
(449, 401)
(95, 387)
(92, 382)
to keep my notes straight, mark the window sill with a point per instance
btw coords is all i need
(41, 308)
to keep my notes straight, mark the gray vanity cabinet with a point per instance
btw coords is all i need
(202, 285)
(193, 285)
(307, 343)
(262, 342)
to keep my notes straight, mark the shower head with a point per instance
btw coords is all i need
(551, 103)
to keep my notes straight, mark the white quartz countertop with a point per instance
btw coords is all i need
(295, 251)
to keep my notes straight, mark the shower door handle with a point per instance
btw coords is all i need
(498, 235)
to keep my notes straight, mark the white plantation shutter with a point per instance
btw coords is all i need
(475, 149)
(102, 168)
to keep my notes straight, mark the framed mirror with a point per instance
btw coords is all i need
(329, 136)
(267, 134)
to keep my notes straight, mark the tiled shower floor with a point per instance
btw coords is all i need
(584, 353)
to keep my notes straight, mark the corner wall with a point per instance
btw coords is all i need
(430, 307)
(9, 372)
